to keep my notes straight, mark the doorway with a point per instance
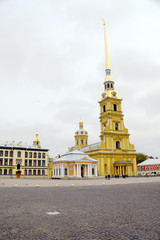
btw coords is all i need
(82, 171)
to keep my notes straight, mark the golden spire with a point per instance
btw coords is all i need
(108, 76)
(107, 64)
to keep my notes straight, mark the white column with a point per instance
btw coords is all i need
(85, 170)
(88, 169)
(77, 170)
(62, 172)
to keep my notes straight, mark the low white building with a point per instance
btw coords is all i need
(149, 167)
(75, 164)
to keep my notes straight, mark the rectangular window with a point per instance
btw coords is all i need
(11, 153)
(6, 153)
(30, 163)
(65, 172)
(5, 161)
(54, 172)
(18, 154)
(82, 141)
(43, 163)
(10, 162)
(59, 172)
(43, 172)
(25, 162)
(43, 155)
(34, 163)
(92, 171)
(39, 163)
(1, 161)
(25, 172)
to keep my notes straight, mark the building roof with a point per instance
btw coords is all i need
(23, 147)
(149, 162)
(75, 156)
(90, 147)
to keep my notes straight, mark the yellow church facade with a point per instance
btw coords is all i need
(115, 154)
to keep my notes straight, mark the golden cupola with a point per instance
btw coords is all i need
(36, 142)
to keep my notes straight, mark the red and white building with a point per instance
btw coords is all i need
(149, 166)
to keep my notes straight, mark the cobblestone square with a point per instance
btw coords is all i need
(119, 211)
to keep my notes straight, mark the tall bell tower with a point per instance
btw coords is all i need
(121, 156)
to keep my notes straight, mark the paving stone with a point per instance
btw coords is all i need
(122, 212)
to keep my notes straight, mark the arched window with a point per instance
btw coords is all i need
(11, 153)
(18, 154)
(116, 126)
(82, 141)
(43, 172)
(104, 108)
(6, 153)
(26, 154)
(30, 172)
(5, 171)
(25, 172)
(1, 153)
(35, 154)
(39, 155)
(43, 155)
(10, 171)
(18, 166)
(108, 85)
(34, 172)
(86, 142)
(111, 85)
(39, 172)
(117, 144)
(115, 107)
(30, 155)
(105, 86)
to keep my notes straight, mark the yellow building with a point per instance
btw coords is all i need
(18, 160)
(74, 165)
(115, 154)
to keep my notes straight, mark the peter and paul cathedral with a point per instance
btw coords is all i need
(115, 154)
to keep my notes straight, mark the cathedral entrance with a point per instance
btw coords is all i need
(18, 173)
(82, 171)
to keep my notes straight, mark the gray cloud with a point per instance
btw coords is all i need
(52, 69)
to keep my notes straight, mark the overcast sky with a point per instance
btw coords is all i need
(52, 69)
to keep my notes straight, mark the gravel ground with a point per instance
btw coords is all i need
(111, 211)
